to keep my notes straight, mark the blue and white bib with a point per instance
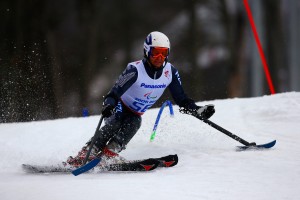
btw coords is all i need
(146, 91)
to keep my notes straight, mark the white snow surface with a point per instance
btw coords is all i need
(208, 167)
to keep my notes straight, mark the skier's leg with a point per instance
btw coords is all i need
(111, 127)
(109, 130)
(112, 137)
(129, 127)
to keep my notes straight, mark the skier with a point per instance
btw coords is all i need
(139, 86)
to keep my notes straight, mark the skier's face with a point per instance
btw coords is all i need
(158, 56)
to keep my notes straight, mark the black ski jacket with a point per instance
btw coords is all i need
(127, 80)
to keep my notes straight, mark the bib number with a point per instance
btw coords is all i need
(140, 107)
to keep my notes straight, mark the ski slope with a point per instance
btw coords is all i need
(208, 168)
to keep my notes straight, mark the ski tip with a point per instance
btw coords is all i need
(267, 145)
(257, 147)
(86, 167)
(27, 168)
(272, 143)
(169, 161)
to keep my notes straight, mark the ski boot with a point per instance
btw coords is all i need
(110, 154)
(78, 160)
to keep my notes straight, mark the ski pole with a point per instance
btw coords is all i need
(93, 141)
(158, 117)
(219, 128)
(226, 132)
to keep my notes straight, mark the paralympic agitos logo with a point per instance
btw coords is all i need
(153, 86)
(148, 95)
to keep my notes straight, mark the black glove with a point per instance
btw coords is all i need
(206, 111)
(188, 105)
(107, 110)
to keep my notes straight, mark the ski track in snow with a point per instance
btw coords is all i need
(208, 168)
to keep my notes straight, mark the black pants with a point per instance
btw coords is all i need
(119, 128)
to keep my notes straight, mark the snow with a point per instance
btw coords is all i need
(208, 168)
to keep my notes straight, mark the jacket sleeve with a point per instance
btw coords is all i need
(125, 81)
(178, 93)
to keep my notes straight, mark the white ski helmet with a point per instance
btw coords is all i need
(155, 39)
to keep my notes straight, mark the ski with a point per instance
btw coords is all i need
(144, 165)
(256, 147)
(138, 165)
(168, 161)
(58, 168)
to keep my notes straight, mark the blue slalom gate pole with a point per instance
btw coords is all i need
(158, 117)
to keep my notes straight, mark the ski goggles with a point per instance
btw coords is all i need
(159, 51)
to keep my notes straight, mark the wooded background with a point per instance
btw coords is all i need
(58, 57)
